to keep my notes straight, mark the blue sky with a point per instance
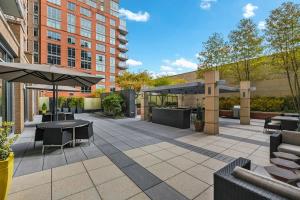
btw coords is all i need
(165, 35)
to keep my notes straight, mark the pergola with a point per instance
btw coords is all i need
(211, 87)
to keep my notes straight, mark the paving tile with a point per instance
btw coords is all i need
(207, 195)
(164, 145)
(234, 153)
(164, 192)
(91, 151)
(187, 185)
(118, 189)
(142, 177)
(104, 174)
(214, 164)
(151, 148)
(29, 165)
(178, 150)
(89, 194)
(41, 192)
(196, 157)
(164, 154)
(67, 170)
(140, 196)
(214, 148)
(54, 160)
(108, 149)
(147, 160)
(31, 180)
(97, 163)
(71, 185)
(202, 173)
(74, 154)
(181, 163)
(134, 153)
(163, 170)
(121, 160)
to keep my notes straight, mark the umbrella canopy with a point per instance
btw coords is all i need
(45, 74)
(49, 88)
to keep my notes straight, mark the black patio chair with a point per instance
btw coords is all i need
(271, 125)
(70, 116)
(46, 118)
(56, 137)
(289, 125)
(61, 117)
(85, 132)
(39, 135)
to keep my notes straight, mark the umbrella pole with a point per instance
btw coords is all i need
(53, 102)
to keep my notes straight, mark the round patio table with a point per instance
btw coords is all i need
(68, 124)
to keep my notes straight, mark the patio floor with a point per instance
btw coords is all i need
(133, 159)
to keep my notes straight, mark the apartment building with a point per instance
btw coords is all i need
(86, 35)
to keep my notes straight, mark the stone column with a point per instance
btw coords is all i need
(145, 106)
(211, 102)
(245, 102)
(30, 105)
(180, 98)
(19, 107)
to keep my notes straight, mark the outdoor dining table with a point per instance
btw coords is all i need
(285, 118)
(65, 113)
(287, 123)
(68, 124)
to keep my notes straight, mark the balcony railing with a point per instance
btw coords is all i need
(123, 56)
(123, 65)
(123, 30)
(123, 39)
(123, 48)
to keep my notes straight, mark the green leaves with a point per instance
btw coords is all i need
(5, 140)
(112, 105)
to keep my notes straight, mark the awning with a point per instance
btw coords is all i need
(49, 88)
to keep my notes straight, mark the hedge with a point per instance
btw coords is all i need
(258, 103)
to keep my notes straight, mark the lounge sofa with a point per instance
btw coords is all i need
(236, 182)
(286, 141)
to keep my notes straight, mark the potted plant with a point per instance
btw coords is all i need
(80, 104)
(44, 108)
(61, 102)
(65, 108)
(72, 104)
(6, 159)
(199, 120)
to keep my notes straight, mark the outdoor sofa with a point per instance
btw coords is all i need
(286, 141)
(236, 182)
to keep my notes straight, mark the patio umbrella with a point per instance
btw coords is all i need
(46, 74)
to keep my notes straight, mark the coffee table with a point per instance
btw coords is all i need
(287, 156)
(287, 164)
(282, 174)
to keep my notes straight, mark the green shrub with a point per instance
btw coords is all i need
(112, 105)
(228, 103)
(61, 101)
(80, 102)
(44, 107)
(5, 140)
(72, 102)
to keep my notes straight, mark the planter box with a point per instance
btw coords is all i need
(226, 113)
(253, 114)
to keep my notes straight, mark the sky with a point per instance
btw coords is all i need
(166, 35)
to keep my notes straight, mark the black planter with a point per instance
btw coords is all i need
(73, 110)
(79, 110)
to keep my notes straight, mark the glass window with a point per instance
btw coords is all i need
(57, 2)
(100, 47)
(112, 33)
(100, 63)
(100, 17)
(114, 8)
(71, 39)
(112, 41)
(36, 46)
(86, 59)
(112, 79)
(54, 54)
(71, 6)
(85, 44)
(86, 89)
(54, 36)
(86, 27)
(54, 17)
(100, 86)
(112, 50)
(71, 23)
(85, 12)
(71, 57)
(112, 65)
(100, 32)
(112, 22)
(35, 32)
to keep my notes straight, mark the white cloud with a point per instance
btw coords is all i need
(165, 68)
(184, 63)
(134, 63)
(206, 4)
(138, 17)
(262, 25)
(249, 10)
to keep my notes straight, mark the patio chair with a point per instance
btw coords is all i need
(39, 135)
(61, 117)
(271, 125)
(46, 118)
(70, 116)
(289, 125)
(85, 132)
(56, 137)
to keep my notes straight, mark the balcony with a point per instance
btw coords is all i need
(123, 30)
(13, 8)
(123, 48)
(123, 39)
(123, 57)
(123, 65)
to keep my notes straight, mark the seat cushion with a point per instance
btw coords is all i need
(289, 148)
(291, 137)
(277, 187)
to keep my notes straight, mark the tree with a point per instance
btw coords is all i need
(283, 37)
(97, 93)
(166, 80)
(134, 81)
(245, 45)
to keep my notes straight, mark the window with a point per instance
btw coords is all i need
(112, 41)
(53, 54)
(100, 87)
(86, 59)
(114, 8)
(57, 2)
(85, 44)
(86, 26)
(36, 20)
(35, 32)
(112, 50)
(71, 23)
(100, 32)
(86, 89)
(101, 18)
(71, 39)
(71, 6)
(36, 58)
(112, 79)
(112, 33)
(36, 46)
(100, 47)
(53, 17)
(36, 13)
(100, 63)
(112, 22)
(71, 57)
(53, 35)
(91, 3)
(85, 12)
(112, 65)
